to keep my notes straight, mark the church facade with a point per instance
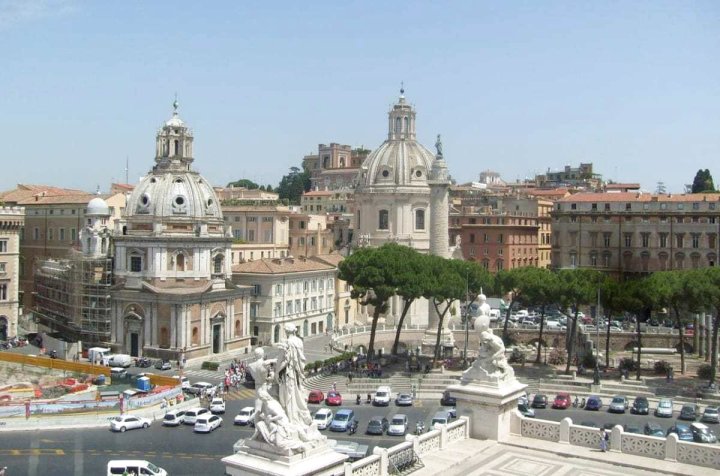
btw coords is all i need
(174, 297)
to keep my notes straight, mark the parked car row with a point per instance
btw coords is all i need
(697, 432)
(397, 425)
(204, 420)
(383, 397)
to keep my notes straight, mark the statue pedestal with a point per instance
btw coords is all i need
(430, 338)
(257, 458)
(489, 405)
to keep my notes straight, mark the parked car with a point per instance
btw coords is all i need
(682, 431)
(618, 404)
(333, 398)
(689, 412)
(245, 417)
(404, 400)
(120, 360)
(316, 396)
(133, 466)
(174, 418)
(562, 400)
(398, 425)
(702, 434)
(143, 362)
(163, 365)
(653, 429)
(664, 408)
(217, 405)
(525, 410)
(342, 420)
(128, 422)
(442, 418)
(593, 403)
(118, 373)
(377, 425)
(193, 414)
(207, 423)
(539, 401)
(710, 415)
(382, 396)
(323, 418)
(447, 399)
(198, 387)
(640, 406)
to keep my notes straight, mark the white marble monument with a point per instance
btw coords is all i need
(488, 391)
(286, 441)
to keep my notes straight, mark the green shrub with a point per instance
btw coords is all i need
(661, 367)
(627, 363)
(557, 357)
(704, 372)
(207, 365)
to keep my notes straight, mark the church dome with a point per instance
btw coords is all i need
(97, 207)
(401, 160)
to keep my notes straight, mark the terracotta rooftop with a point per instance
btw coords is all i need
(27, 193)
(281, 266)
(640, 197)
(330, 258)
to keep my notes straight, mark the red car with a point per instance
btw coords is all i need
(316, 396)
(333, 398)
(562, 400)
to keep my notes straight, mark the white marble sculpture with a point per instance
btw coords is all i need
(283, 425)
(491, 366)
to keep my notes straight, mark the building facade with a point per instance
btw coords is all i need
(259, 231)
(636, 233)
(12, 220)
(296, 290)
(310, 235)
(174, 297)
(335, 167)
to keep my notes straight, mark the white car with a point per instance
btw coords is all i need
(207, 423)
(184, 381)
(193, 414)
(174, 418)
(382, 396)
(198, 387)
(322, 418)
(245, 417)
(217, 405)
(128, 422)
(398, 425)
(664, 408)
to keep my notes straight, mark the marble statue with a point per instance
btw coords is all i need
(282, 420)
(438, 146)
(491, 365)
(456, 250)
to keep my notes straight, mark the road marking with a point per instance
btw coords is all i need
(33, 452)
(33, 460)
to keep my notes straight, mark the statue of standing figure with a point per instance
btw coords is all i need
(438, 146)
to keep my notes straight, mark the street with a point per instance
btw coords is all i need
(177, 449)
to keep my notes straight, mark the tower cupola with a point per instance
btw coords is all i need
(401, 119)
(174, 144)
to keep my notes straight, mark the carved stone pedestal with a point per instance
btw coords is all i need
(488, 405)
(430, 337)
(257, 458)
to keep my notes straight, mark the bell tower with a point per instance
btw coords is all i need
(401, 119)
(174, 143)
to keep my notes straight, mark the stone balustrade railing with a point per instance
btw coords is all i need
(669, 448)
(384, 461)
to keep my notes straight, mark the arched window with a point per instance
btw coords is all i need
(419, 219)
(177, 148)
(218, 264)
(407, 128)
(164, 337)
(238, 328)
(195, 336)
(276, 334)
(398, 125)
(180, 262)
(383, 220)
(103, 246)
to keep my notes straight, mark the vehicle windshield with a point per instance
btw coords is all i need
(704, 431)
(118, 418)
(618, 400)
(664, 404)
(169, 416)
(374, 423)
(246, 412)
(398, 421)
(318, 416)
(153, 468)
(381, 394)
(683, 430)
(342, 417)
(711, 411)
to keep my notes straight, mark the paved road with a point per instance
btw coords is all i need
(178, 450)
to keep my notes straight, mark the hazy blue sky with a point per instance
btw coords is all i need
(516, 87)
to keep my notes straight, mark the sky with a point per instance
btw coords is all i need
(516, 87)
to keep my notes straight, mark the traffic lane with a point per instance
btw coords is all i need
(602, 416)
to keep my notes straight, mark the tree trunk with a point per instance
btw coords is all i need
(639, 341)
(540, 339)
(571, 341)
(371, 345)
(406, 307)
(714, 347)
(682, 339)
(607, 343)
(507, 318)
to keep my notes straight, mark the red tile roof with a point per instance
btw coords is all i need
(639, 197)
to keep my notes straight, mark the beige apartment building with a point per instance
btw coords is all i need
(53, 219)
(11, 224)
(259, 231)
(335, 167)
(629, 233)
(310, 235)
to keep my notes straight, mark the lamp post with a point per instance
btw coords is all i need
(596, 373)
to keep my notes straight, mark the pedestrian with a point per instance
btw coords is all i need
(334, 387)
(603, 439)
(350, 376)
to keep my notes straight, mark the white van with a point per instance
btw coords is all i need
(120, 360)
(382, 396)
(133, 466)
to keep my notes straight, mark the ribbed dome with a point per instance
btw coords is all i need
(397, 163)
(97, 207)
(164, 194)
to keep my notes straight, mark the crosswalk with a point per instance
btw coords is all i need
(197, 375)
(241, 393)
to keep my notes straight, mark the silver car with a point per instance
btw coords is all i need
(710, 415)
(664, 408)
(398, 425)
(618, 404)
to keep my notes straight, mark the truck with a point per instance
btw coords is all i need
(98, 355)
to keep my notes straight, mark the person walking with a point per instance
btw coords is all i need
(350, 377)
(603, 439)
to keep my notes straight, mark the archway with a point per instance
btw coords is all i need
(216, 338)
(329, 322)
(3, 328)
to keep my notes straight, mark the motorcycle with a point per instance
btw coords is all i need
(369, 399)
(353, 427)
(582, 403)
(358, 400)
(419, 428)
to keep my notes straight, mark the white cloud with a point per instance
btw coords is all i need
(13, 12)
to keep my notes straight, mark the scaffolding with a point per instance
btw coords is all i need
(72, 297)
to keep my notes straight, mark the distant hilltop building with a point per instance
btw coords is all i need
(577, 177)
(335, 167)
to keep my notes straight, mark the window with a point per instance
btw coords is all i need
(696, 206)
(593, 259)
(419, 219)
(628, 240)
(573, 260)
(3, 292)
(50, 234)
(606, 260)
(500, 238)
(383, 220)
(679, 240)
(251, 235)
(711, 240)
(606, 239)
(251, 219)
(696, 240)
(3, 246)
(2, 267)
(135, 264)
(288, 308)
(645, 239)
(593, 239)
(573, 219)
(218, 264)
(607, 207)
(593, 207)
(663, 240)
(628, 207)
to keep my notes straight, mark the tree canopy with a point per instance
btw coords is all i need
(703, 182)
(293, 185)
(244, 183)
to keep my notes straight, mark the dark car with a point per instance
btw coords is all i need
(702, 434)
(682, 431)
(593, 403)
(163, 365)
(447, 399)
(143, 362)
(689, 412)
(640, 406)
(653, 429)
(377, 425)
(539, 401)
